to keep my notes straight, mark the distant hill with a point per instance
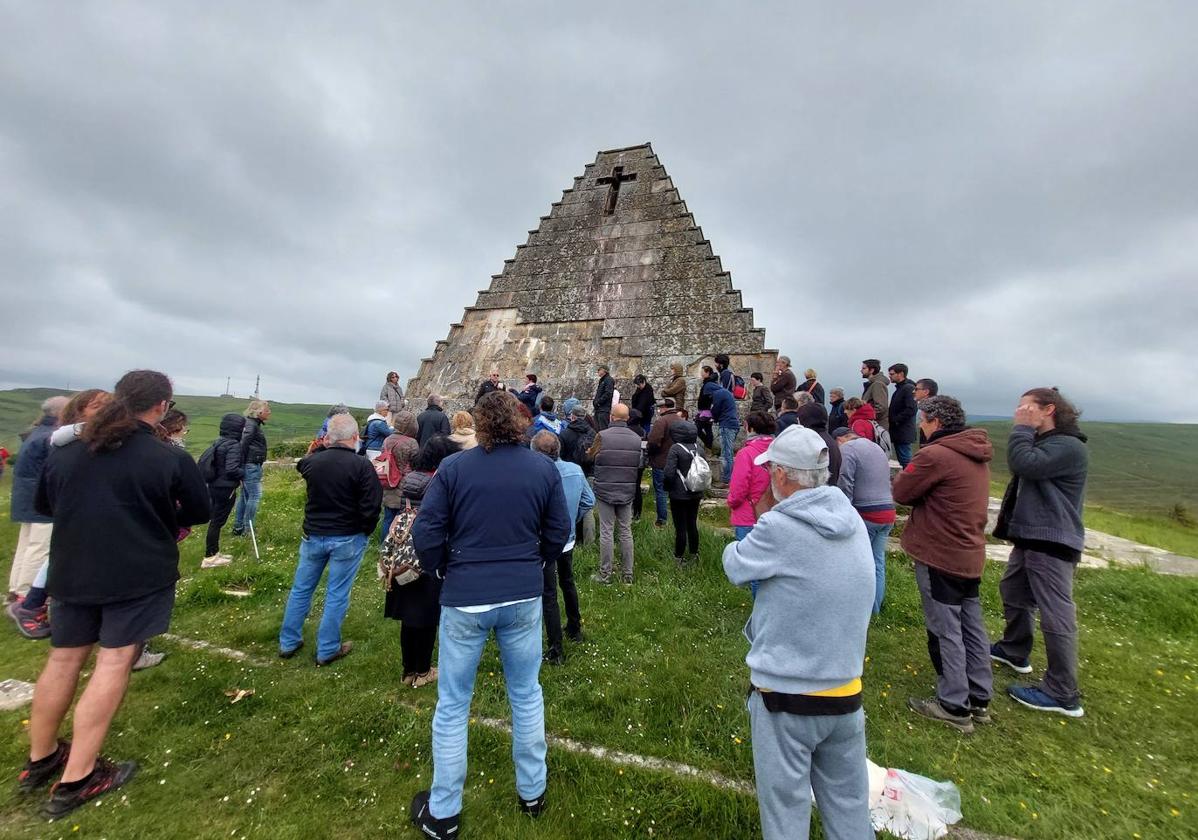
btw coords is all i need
(1134, 467)
(288, 421)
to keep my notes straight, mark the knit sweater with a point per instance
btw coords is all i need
(865, 475)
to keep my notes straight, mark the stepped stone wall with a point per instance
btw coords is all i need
(618, 272)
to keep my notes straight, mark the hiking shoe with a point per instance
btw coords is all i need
(214, 561)
(1035, 698)
(576, 636)
(407, 679)
(32, 624)
(342, 652)
(661, 523)
(106, 776)
(931, 709)
(981, 715)
(626, 580)
(553, 656)
(598, 578)
(1019, 666)
(287, 654)
(148, 659)
(421, 680)
(238, 532)
(37, 774)
(533, 807)
(438, 829)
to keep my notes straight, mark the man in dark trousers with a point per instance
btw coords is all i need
(222, 489)
(433, 420)
(657, 450)
(605, 391)
(1042, 515)
(118, 498)
(902, 413)
(947, 485)
(342, 510)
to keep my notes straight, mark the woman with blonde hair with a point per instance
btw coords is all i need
(462, 424)
(253, 456)
(812, 386)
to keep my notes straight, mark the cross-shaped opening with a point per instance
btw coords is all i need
(613, 181)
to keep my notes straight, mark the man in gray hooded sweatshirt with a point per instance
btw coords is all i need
(812, 557)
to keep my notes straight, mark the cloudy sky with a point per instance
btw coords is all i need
(1000, 195)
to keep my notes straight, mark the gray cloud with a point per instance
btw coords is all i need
(1000, 197)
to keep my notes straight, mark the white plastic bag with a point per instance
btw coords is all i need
(912, 806)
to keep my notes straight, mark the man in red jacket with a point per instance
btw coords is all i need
(947, 485)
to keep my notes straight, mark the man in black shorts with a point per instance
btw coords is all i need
(119, 496)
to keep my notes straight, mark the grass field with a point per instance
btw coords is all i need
(339, 751)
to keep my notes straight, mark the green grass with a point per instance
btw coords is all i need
(662, 674)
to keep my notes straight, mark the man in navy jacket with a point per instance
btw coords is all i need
(491, 518)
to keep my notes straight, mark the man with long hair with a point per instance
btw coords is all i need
(118, 498)
(491, 518)
(1042, 515)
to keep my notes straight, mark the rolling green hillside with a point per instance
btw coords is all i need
(289, 421)
(1137, 468)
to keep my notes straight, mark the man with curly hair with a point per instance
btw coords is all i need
(491, 518)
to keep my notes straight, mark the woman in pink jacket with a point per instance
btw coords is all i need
(749, 482)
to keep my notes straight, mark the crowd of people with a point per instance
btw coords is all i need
(104, 493)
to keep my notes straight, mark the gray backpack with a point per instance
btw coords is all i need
(698, 477)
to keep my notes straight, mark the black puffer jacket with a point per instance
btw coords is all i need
(576, 439)
(253, 442)
(227, 456)
(678, 461)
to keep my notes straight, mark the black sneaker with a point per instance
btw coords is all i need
(438, 829)
(1019, 666)
(34, 776)
(553, 656)
(287, 654)
(576, 636)
(106, 776)
(533, 807)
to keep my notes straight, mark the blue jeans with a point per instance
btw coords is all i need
(902, 453)
(342, 555)
(878, 534)
(659, 493)
(742, 531)
(251, 495)
(389, 515)
(518, 631)
(727, 444)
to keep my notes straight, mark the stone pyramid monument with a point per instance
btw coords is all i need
(618, 272)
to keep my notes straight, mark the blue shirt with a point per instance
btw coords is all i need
(580, 498)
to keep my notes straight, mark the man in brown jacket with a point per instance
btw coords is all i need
(657, 448)
(947, 485)
(783, 384)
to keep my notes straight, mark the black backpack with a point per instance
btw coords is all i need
(207, 462)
